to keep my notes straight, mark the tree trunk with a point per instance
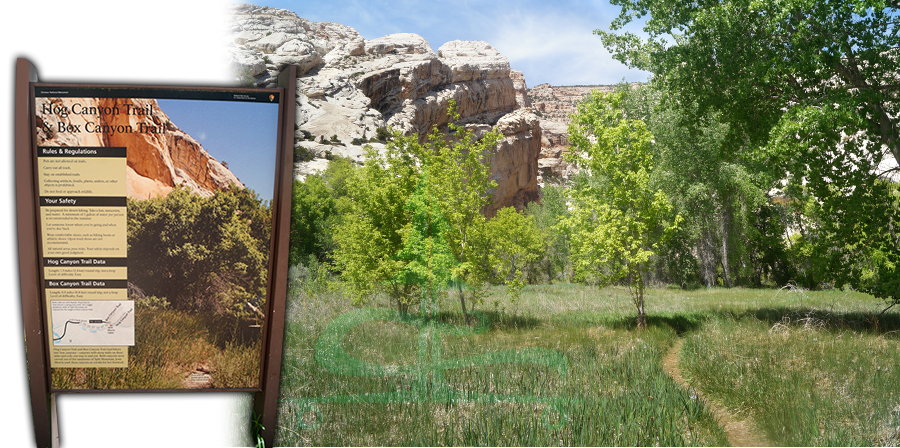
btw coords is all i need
(402, 307)
(707, 256)
(727, 218)
(462, 302)
(639, 302)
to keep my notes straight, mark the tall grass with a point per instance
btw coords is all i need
(808, 368)
(808, 377)
(547, 376)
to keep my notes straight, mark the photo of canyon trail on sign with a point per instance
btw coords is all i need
(706, 253)
(156, 223)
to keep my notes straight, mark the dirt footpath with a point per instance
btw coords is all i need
(739, 432)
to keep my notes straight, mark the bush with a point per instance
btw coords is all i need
(302, 154)
(383, 134)
(309, 276)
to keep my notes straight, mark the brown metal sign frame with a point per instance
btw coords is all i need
(43, 396)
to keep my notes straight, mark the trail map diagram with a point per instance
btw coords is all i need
(92, 322)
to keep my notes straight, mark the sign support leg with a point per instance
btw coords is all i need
(43, 403)
(265, 402)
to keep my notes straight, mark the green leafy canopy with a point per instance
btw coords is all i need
(810, 89)
(617, 220)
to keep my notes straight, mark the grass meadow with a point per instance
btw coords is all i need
(564, 365)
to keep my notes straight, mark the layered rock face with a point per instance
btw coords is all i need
(350, 87)
(157, 161)
(555, 105)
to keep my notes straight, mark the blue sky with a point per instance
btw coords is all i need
(244, 135)
(550, 41)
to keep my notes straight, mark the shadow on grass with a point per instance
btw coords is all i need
(507, 321)
(497, 319)
(887, 324)
(679, 322)
(873, 323)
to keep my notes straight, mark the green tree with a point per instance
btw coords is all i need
(201, 253)
(311, 208)
(547, 214)
(851, 214)
(460, 167)
(711, 188)
(618, 220)
(372, 235)
(729, 222)
(317, 204)
(516, 246)
(371, 232)
(810, 88)
(754, 61)
(428, 257)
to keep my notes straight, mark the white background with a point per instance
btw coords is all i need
(159, 42)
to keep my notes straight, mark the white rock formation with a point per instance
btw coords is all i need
(350, 87)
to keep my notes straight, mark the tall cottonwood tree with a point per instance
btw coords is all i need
(756, 61)
(729, 229)
(810, 87)
(711, 187)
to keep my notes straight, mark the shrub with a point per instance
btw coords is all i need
(302, 154)
(383, 134)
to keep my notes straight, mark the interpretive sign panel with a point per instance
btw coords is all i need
(153, 237)
(155, 250)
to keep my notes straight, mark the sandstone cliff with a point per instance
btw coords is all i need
(350, 87)
(157, 161)
(554, 105)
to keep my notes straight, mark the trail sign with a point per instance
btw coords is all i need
(149, 216)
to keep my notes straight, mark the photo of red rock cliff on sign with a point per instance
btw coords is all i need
(178, 222)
